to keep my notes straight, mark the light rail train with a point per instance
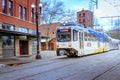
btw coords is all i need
(75, 40)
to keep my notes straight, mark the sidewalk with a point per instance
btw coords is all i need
(26, 59)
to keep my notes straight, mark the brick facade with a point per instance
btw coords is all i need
(50, 29)
(14, 20)
(85, 17)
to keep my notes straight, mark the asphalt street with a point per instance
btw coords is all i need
(105, 66)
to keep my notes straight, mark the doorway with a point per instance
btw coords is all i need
(23, 47)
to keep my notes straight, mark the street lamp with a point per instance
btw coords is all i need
(38, 56)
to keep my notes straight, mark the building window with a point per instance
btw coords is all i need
(20, 12)
(75, 35)
(4, 6)
(23, 29)
(83, 14)
(79, 20)
(25, 13)
(32, 15)
(79, 15)
(8, 27)
(7, 41)
(33, 31)
(10, 4)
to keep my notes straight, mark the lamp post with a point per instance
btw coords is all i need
(38, 56)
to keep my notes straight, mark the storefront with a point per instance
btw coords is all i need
(16, 41)
(8, 45)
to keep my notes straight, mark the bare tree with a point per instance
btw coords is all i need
(117, 24)
(115, 29)
(69, 16)
(52, 11)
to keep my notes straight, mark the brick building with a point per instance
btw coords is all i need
(17, 28)
(49, 30)
(85, 17)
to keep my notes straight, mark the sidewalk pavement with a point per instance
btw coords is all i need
(14, 61)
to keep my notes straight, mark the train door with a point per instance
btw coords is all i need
(81, 42)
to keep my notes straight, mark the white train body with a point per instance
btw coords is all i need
(74, 40)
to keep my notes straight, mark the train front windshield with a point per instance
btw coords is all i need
(63, 35)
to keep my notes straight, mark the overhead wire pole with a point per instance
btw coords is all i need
(92, 4)
(91, 8)
(111, 18)
(116, 5)
(118, 24)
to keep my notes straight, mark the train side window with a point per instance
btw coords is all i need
(89, 37)
(107, 40)
(75, 35)
(92, 37)
(101, 38)
(85, 36)
(80, 35)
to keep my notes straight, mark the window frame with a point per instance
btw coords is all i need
(32, 15)
(10, 7)
(75, 33)
(4, 6)
(7, 26)
(20, 12)
(23, 30)
(25, 13)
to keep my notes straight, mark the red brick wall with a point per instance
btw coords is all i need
(52, 29)
(16, 21)
(15, 18)
(86, 20)
(52, 44)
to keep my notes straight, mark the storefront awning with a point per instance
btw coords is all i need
(16, 33)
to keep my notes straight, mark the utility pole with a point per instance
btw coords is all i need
(117, 25)
(111, 17)
(92, 4)
(91, 8)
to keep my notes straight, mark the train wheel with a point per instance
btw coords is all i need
(72, 55)
(68, 56)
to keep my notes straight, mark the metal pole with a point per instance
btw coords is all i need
(38, 56)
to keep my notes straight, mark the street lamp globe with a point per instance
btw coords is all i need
(32, 6)
(40, 5)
